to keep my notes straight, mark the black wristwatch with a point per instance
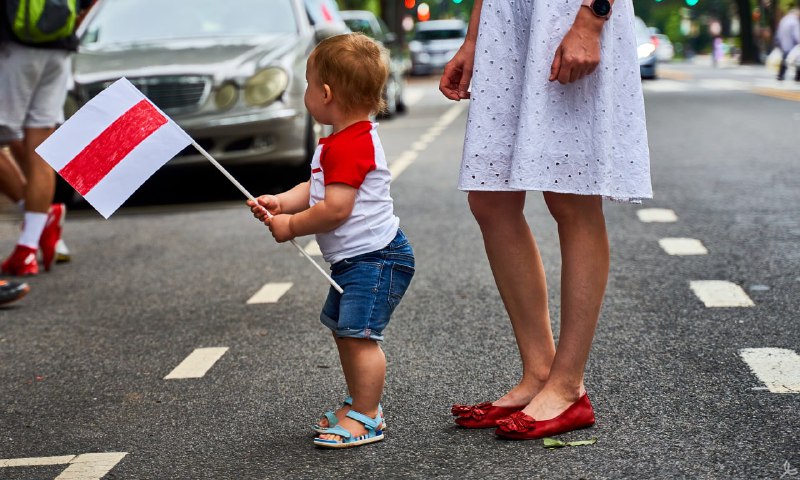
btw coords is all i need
(600, 8)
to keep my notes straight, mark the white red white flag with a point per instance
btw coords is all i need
(112, 145)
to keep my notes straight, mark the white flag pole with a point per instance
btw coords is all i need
(248, 195)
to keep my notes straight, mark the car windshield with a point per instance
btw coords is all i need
(360, 25)
(144, 21)
(426, 35)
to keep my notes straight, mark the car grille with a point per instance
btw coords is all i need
(174, 94)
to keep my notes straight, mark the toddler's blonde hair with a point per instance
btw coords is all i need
(355, 67)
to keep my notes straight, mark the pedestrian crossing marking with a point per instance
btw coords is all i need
(312, 248)
(270, 293)
(88, 466)
(720, 293)
(197, 363)
(777, 368)
(683, 246)
(656, 215)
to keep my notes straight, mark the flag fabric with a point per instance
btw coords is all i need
(112, 145)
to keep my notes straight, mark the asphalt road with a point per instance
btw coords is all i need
(83, 358)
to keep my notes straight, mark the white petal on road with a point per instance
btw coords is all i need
(720, 293)
(656, 215)
(683, 246)
(91, 466)
(197, 363)
(777, 368)
(35, 461)
(270, 293)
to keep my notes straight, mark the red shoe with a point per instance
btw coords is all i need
(520, 426)
(482, 415)
(22, 262)
(52, 234)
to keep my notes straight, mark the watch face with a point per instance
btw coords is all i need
(601, 8)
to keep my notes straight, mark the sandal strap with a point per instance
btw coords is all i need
(331, 417)
(369, 423)
(338, 430)
(348, 401)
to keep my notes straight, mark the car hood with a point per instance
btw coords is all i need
(220, 58)
(444, 44)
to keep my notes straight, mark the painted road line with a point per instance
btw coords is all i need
(777, 368)
(666, 86)
(89, 466)
(672, 74)
(197, 363)
(778, 93)
(409, 156)
(720, 293)
(412, 97)
(398, 166)
(656, 215)
(312, 248)
(270, 293)
(683, 246)
(35, 461)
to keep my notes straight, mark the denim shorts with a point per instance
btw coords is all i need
(373, 285)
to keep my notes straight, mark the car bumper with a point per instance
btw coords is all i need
(273, 136)
(647, 67)
(426, 62)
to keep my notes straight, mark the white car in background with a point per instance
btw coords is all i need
(665, 51)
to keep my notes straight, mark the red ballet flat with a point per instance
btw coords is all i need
(482, 415)
(519, 426)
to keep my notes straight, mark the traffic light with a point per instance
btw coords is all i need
(457, 1)
(691, 3)
(423, 12)
(410, 4)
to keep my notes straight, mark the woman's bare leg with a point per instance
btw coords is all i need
(584, 274)
(519, 275)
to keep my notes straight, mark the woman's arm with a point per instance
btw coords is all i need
(579, 52)
(458, 71)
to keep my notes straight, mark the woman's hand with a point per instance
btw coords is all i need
(454, 83)
(266, 203)
(579, 52)
(281, 228)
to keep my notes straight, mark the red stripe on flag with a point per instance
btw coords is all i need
(103, 153)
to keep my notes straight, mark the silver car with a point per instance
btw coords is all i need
(434, 44)
(231, 73)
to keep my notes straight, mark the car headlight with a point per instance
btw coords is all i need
(265, 86)
(226, 96)
(414, 46)
(645, 50)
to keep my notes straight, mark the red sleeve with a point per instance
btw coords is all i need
(348, 159)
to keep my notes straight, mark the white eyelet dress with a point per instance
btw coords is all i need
(527, 133)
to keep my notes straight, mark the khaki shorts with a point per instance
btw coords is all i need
(33, 87)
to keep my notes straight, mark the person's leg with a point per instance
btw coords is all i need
(519, 275)
(41, 178)
(364, 366)
(584, 274)
(346, 363)
(783, 67)
(12, 183)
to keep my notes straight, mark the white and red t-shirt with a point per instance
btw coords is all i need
(354, 156)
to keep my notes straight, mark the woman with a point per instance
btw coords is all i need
(556, 106)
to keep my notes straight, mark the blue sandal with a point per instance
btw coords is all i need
(374, 432)
(333, 419)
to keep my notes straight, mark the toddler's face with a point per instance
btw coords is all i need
(315, 97)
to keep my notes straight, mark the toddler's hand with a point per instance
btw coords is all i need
(281, 228)
(266, 203)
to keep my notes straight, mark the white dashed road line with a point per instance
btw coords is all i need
(683, 246)
(777, 368)
(656, 215)
(409, 156)
(197, 363)
(270, 293)
(720, 293)
(89, 466)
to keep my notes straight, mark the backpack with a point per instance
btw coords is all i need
(42, 21)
